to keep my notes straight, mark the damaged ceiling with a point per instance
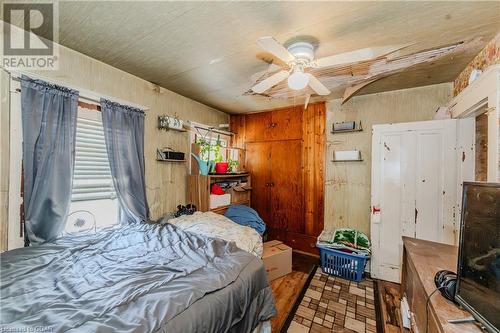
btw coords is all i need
(355, 76)
(207, 51)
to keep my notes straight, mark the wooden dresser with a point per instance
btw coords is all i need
(421, 260)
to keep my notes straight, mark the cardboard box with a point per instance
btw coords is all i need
(277, 259)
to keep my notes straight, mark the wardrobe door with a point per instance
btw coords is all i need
(287, 186)
(258, 159)
(286, 124)
(258, 127)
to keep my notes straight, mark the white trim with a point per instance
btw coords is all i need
(476, 95)
(15, 161)
(483, 95)
(83, 93)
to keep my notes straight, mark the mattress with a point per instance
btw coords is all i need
(137, 278)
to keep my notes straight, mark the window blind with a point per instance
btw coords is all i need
(92, 174)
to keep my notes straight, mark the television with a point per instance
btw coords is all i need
(478, 281)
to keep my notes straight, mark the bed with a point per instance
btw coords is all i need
(187, 275)
(214, 225)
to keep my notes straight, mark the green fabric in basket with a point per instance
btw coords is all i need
(345, 238)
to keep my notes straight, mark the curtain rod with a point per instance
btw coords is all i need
(84, 94)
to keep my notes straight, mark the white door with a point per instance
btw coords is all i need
(414, 184)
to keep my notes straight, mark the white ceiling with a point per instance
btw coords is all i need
(207, 51)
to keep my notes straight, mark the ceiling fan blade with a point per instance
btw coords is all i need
(272, 46)
(317, 86)
(271, 81)
(357, 55)
(270, 69)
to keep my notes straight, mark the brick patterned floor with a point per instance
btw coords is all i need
(332, 304)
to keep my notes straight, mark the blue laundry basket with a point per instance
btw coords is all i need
(349, 266)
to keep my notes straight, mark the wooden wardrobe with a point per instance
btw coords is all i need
(285, 154)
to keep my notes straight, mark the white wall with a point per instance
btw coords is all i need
(348, 185)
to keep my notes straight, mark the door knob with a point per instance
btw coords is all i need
(271, 184)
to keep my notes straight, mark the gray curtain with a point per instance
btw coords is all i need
(124, 134)
(49, 127)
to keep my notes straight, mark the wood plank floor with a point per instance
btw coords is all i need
(390, 306)
(287, 289)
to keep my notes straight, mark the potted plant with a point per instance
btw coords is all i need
(211, 154)
(233, 165)
(221, 167)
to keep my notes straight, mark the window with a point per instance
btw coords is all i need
(94, 204)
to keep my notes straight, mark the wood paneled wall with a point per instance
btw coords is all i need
(314, 136)
(348, 185)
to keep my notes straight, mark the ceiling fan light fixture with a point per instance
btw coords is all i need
(302, 51)
(298, 80)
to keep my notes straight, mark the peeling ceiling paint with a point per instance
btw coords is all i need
(207, 50)
(353, 77)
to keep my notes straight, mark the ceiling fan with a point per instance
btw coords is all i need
(300, 55)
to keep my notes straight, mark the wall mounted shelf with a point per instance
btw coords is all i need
(163, 155)
(175, 129)
(165, 160)
(357, 128)
(347, 156)
(348, 131)
(173, 123)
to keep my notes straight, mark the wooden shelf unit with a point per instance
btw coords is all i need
(199, 190)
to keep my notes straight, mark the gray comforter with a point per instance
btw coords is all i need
(144, 278)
